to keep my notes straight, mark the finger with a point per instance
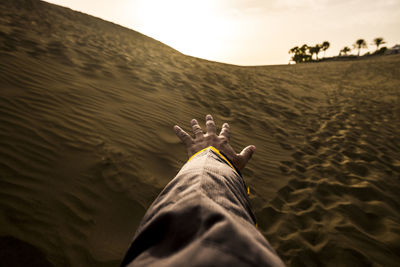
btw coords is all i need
(183, 136)
(197, 131)
(210, 125)
(247, 152)
(225, 131)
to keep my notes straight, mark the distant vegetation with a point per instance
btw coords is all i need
(305, 53)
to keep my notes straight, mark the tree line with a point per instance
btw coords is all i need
(305, 53)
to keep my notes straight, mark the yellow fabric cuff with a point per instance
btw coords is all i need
(218, 153)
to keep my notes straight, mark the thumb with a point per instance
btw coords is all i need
(247, 152)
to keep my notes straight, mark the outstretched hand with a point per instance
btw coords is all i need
(220, 142)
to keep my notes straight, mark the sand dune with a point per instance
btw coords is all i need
(86, 141)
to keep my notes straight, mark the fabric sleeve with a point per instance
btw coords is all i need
(202, 217)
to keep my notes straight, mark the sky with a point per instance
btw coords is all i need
(251, 32)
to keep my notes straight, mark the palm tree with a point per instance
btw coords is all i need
(317, 48)
(325, 46)
(314, 50)
(294, 50)
(311, 50)
(300, 54)
(345, 50)
(303, 48)
(378, 41)
(360, 43)
(303, 56)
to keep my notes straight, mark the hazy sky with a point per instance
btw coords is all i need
(251, 32)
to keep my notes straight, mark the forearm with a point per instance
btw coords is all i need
(205, 206)
(210, 174)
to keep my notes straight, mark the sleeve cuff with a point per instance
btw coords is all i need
(220, 155)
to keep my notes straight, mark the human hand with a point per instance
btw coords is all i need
(220, 142)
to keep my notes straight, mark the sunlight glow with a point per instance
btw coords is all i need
(192, 27)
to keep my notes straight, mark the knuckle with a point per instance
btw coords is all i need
(210, 123)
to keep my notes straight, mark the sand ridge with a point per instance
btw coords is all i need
(86, 141)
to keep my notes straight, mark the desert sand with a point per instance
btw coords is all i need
(86, 142)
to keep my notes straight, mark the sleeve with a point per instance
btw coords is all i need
(201, 218)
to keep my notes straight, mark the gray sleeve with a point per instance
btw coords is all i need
(201, 218)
